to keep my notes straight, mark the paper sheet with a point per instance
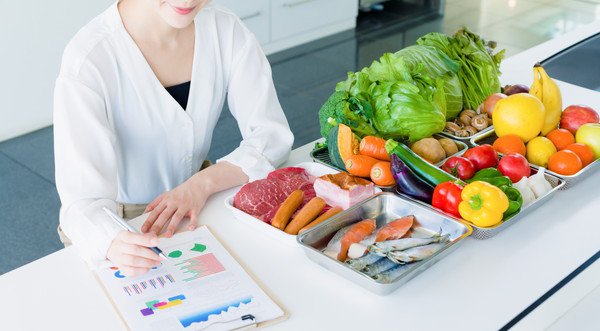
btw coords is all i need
(199, 285)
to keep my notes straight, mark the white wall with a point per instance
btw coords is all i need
(33, 35)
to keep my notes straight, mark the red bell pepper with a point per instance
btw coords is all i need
(446, 197)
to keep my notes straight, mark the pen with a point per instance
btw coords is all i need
(122, 223)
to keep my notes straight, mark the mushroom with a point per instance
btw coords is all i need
(452, 127)
(480, 121)
(470, 130)
(469, 112)
(464, 119)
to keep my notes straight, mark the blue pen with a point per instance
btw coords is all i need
(122, 223)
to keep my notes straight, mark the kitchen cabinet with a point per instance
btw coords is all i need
(282, 24)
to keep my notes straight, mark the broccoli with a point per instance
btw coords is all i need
(340, 108)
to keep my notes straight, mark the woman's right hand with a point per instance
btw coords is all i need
(130, 252)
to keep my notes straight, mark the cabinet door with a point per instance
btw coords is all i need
(293, 17)
(255, 15)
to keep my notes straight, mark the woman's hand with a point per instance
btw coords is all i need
(169, 208)
(187, 199)
(130, 252)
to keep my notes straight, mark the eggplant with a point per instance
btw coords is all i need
(408, 182)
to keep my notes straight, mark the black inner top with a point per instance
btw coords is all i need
(180, 93)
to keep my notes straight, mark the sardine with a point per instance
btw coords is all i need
(391, 275)
(363, 261)
(384, 247)
(379, 267)
(415, 254)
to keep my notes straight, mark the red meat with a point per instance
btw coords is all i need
(263, 197)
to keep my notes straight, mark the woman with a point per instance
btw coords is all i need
(123, 140)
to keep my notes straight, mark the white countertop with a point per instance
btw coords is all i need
(480, 286)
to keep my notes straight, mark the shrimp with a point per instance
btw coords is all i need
(395, 229)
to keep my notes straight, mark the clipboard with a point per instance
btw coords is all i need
(110, 292)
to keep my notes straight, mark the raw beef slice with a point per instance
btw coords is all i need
(263, 197)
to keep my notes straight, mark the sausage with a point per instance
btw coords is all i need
(287, 209)
(330, 213)
(308, 213)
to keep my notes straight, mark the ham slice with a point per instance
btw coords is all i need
(343, 190)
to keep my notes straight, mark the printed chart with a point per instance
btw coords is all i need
(200, 266)
(216, 311)
(155, 305)
(152, 283)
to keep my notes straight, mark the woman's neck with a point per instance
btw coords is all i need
(143, 23)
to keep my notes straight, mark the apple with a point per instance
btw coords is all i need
(514, 166)
(589, 134)
(575, 116)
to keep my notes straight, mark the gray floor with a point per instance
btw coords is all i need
(304, 78)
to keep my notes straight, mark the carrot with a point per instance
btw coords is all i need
(381, 174)
(328, 214)
(308, 213)
(287, 209)
(360, 165)
(374, 147)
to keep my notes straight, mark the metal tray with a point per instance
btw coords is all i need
(383, 207)
(467, 140)
(486, 233)
(490, 137)
(321, 155)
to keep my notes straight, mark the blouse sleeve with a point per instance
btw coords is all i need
(86, 175)
(267, 139)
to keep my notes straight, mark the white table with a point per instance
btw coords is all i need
(481, 286)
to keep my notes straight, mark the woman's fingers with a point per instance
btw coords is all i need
(193, 220)
(154, 214)
(132, 238)
(172, 227)
(154, 203)
(163, 218)
(141, 251)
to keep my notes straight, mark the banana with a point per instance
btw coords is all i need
(546, 90)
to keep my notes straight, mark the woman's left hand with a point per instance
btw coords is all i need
(169, 208)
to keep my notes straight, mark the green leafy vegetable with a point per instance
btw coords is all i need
(479, 67)
(341, 108)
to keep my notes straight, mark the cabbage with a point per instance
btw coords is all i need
(403, 110)
(435, 64)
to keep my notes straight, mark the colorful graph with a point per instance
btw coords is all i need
(119, 275)
(154, 305)
(198, 248)
(155, 283)
(175, 254)
(201, 266)
(202, 316)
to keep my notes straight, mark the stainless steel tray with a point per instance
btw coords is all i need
(321, 155)
(384, 208)
(467, 140)
(486, 233)
(490, 137)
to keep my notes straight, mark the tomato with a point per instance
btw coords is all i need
(514, 166)
(482, 157)
(460, 167)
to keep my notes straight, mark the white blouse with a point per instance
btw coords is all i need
(120, 136)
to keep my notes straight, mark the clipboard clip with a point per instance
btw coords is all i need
(248, 318)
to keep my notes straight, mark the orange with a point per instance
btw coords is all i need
(584, 152)
(561, 138)
(565, 163)
(511, 143)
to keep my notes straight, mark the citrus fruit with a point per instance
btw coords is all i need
(561, 138)
(539, 151)
(521, 114)
(511, 143)
(565, 163)
(584, 152)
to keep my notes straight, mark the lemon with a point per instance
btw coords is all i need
(521, 114)
(539, 151)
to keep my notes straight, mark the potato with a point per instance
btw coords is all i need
(429, 149)
(449, 146)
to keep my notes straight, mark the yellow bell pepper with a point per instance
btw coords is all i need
(482, 204)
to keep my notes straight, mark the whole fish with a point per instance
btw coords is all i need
(384, 247)
(379, 267)
(391, 275)
(340, 243)
(363, 261)
(415, 254)
(395, 229)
